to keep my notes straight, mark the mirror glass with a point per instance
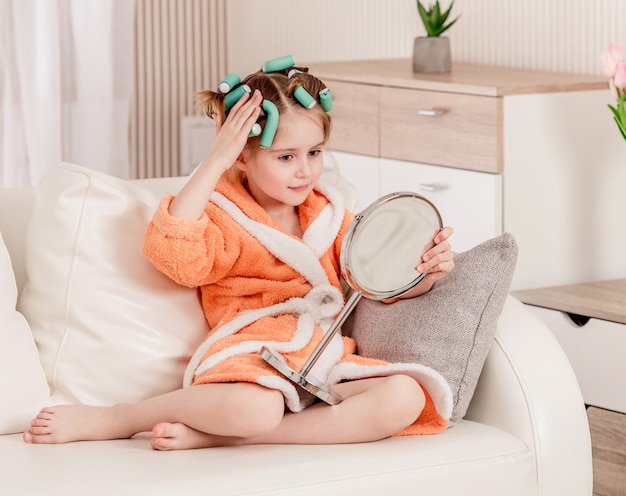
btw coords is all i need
(385, 243)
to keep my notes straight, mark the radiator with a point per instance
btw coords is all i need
(180, 49)
(196, 138)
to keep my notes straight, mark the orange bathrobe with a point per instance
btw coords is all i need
(261, 286)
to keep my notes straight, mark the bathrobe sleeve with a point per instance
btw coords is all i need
(191, 252)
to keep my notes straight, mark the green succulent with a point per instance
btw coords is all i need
(434, 20)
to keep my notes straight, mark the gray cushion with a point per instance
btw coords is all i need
(451, 327)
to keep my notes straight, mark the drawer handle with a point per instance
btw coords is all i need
(431, 112)
(579, 320)
(431, 187)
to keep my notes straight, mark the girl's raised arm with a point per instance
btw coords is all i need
(230, 139)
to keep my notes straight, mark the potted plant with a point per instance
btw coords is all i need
(431, 53)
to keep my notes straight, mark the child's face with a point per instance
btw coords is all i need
(285, 173)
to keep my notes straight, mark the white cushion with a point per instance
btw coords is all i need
(23, 388)
(109, 327)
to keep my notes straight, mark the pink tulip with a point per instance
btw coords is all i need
(610, 60)
(620, 76)
(613, 88)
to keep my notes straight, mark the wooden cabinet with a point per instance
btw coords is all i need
(533, 153)
(589, 321)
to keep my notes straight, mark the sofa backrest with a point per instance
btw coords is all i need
(16, 207)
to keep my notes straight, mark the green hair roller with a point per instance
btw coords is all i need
(278, 64)
(326, 100)
(255, 130)
(304, 98)
(234, 96)
(271, 124)
(229, 82)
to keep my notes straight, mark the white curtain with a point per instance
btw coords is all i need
(66, 81)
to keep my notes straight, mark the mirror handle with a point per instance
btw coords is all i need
(334, 328)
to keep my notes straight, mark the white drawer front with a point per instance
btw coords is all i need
(362, 171)
(596, 352)
(469, 201)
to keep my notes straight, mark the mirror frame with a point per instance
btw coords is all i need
(347, 271)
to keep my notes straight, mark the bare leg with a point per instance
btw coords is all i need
(372, 409)
(239, 409)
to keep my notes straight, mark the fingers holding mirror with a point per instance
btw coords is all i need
(438, 252)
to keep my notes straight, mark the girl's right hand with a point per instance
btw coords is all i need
(230, 138)
(232, 134)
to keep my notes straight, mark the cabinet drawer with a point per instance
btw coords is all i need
(596, 352)
(355, 118)
(469, 201)
(464, 132)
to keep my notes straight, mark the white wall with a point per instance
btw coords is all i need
(558, 35)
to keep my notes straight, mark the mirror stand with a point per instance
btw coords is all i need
(302, 377)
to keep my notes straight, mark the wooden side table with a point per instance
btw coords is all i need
(589, 320)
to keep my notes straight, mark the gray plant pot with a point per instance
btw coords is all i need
(432, 54)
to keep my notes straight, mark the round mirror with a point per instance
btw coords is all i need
(385, 242)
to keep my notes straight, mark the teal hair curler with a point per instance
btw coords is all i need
(304, 98)
(278, 64)
(229, 82)
(292, 72)
(271, 124)
(255, 131)
(234, 96)
(326, 100)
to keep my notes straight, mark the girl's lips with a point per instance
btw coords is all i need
(299, 189)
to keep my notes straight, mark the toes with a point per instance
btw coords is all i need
(31, 437)
(166, 436)
(37, 430)
(162, 443)
(45, 415)
(165, 429)
(39, 422)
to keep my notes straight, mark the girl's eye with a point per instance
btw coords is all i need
(285, 158)
(315, 153)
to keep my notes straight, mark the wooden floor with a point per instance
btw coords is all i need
(608, 438)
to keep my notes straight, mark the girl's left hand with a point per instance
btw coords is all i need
(437, 260)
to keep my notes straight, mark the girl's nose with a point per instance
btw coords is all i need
(304, 169)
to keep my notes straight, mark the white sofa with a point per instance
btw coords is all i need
(525, 432)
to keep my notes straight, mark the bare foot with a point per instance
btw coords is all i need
(67, 423)
(175, 436)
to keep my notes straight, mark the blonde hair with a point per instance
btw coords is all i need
(278, 88)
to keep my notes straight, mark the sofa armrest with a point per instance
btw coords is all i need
(529, 389)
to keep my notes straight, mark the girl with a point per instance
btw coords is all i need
(260, 237)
